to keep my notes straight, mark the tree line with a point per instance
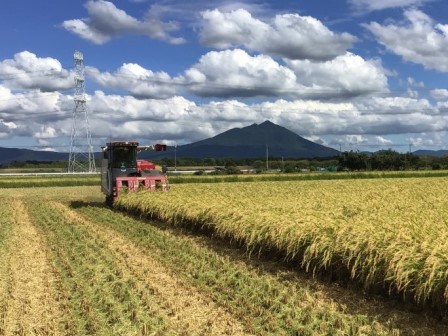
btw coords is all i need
(389, 160)
(382, 160)
(346, 161)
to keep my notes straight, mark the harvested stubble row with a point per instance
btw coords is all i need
(391, 233)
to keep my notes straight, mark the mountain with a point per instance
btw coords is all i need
(437, 153)
(22, 155)
(254, 141)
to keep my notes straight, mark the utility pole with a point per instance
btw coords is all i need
(410, 151)
(267, 158)
(175, 157)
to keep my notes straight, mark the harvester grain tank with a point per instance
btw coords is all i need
(121, 171)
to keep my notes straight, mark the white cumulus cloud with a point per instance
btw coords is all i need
(106, 21)
(439, 94)
(136, 80)
(346, 75)
(288, 35)
(28, 71)
(419, 39)
(238, 74)
(374, 5)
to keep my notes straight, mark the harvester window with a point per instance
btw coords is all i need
(123, 157)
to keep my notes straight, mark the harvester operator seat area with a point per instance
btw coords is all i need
(124, 157)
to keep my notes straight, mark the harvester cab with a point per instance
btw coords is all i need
(122, 172)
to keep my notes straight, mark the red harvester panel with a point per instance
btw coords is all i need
(135, 183)
(145, 165)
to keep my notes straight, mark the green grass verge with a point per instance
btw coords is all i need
(35, 181)
(49, 181)
(180, 179)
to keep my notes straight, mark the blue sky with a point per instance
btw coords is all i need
(349, 74)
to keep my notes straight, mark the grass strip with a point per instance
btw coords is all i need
(311, 176)
(89, 180)
(48, 181)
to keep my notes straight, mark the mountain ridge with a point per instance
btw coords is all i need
(8, 155)
(253, 141)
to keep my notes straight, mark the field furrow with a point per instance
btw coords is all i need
(6, 228)
(267, 304)
(34, 305)
(104, 298)
(190, 313)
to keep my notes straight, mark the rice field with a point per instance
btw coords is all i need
(382, 233)
(71, 266)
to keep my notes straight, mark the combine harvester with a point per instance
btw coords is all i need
(121, 171)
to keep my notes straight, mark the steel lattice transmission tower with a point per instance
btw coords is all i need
(81, 159)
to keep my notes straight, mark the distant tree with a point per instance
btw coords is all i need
(436, 166)
(290, 167)
(388, 160)
(209, 162)
(258, 165)
(425, 162)
(169, 162)
(444, 161)
(353, 160)
(232, 170)
(230, 163)
(412, 161)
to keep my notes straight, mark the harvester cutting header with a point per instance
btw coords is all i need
(120, 170)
